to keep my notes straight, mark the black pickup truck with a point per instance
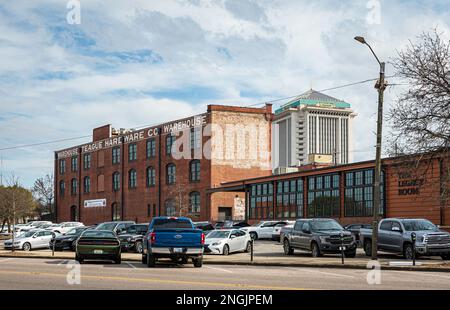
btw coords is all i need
(319, 236)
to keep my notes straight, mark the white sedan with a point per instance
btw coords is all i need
(226, 241)
(262, 230)
(64, 227)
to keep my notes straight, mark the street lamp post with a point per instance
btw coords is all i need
(380, 86)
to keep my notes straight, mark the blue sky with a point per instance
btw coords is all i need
(139, 62)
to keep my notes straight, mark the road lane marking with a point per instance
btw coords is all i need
(322, 272)
(219, 269)
(147, 280)
(131, 265)
(422, 274)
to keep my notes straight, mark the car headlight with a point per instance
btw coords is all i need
(323, 239)
(129, 239)
(216, 243)
(17, 242)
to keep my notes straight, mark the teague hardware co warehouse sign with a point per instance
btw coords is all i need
(174, 127)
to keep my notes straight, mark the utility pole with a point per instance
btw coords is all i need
(380, 86)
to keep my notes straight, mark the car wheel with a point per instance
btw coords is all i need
(226, 250)
(118, 260)
(368, 247)
(144, 259)
(151, 260)
(248, 248)
(445, 257)
(288, 250)
(26, 246)
(408, 251)
(198, 262)
(138, 247)
(315, 250)
(254, 235)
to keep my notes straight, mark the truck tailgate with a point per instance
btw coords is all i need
(177, 238)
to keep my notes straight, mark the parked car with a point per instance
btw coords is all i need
(394, 235)
(131, 239)
(175, 238)
(30, 240)
(206, 227)
(117, 227)
(98, 244)
(262, 230)
(64, 227)
(226, 241)
(319, 236)
(276, 232)
(355, 228)
(228, 224)
(68, 240)
(285, 230)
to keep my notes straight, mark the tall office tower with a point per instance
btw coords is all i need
(313, 127)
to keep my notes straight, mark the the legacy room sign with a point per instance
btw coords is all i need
(95, 203)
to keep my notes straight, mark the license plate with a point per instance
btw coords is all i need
(342, 248)
(178, 250)
(98, 251)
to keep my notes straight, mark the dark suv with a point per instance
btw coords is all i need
(131, 239)
(116, 227)
(319, 236)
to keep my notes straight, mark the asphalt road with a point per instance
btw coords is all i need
(34, 273)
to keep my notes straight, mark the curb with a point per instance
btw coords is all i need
(275, 264)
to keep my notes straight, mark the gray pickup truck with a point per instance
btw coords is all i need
(319, 236)
(394, 235)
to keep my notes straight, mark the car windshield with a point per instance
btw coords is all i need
(106, 226)
(98, 234)
(417, 225)
(170, 223)
(137, 229)
(74, 231)
(218, 234)
(325, 225)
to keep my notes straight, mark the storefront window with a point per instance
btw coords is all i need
(323, 196)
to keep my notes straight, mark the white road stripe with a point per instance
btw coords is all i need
(131, 265)
(422, 273)
(321, 272)
(219, 269)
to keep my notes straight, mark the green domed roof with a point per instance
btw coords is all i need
(314, 98)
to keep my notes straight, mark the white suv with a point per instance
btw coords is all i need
(64, 227)
(262, 230)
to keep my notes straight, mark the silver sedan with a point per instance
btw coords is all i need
(32, 239)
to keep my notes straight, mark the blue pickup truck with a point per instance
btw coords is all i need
(175, 238)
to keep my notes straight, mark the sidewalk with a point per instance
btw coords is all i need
(273, 260)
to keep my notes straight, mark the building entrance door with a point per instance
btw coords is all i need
(225, 213)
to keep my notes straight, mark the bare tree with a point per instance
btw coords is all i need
(420, 118)
(180, 197)
(43, 191)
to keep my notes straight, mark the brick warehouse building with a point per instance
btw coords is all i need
(345, 192)
(165, 169)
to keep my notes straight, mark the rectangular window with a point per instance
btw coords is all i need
(323, 199)
(74, 163)
(195, 138)
(116, 155)
(261, 201)
(86, 161)
(359, 193)
(170, 140)
(132, 151)
(151, 148)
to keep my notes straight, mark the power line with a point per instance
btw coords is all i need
(154, 124)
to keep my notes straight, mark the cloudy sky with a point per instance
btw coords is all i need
(137, 62)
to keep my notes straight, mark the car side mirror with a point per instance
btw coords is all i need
(232, 236)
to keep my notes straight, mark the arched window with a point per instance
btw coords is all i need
(73, 186)
(194, 202)
(194, 170)
(132, 180)
(73, 214)
(171, 172)
(151, 176)
(87, 185)
(116, 211)
(62, 188)
(116, 181)
(170, 208)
